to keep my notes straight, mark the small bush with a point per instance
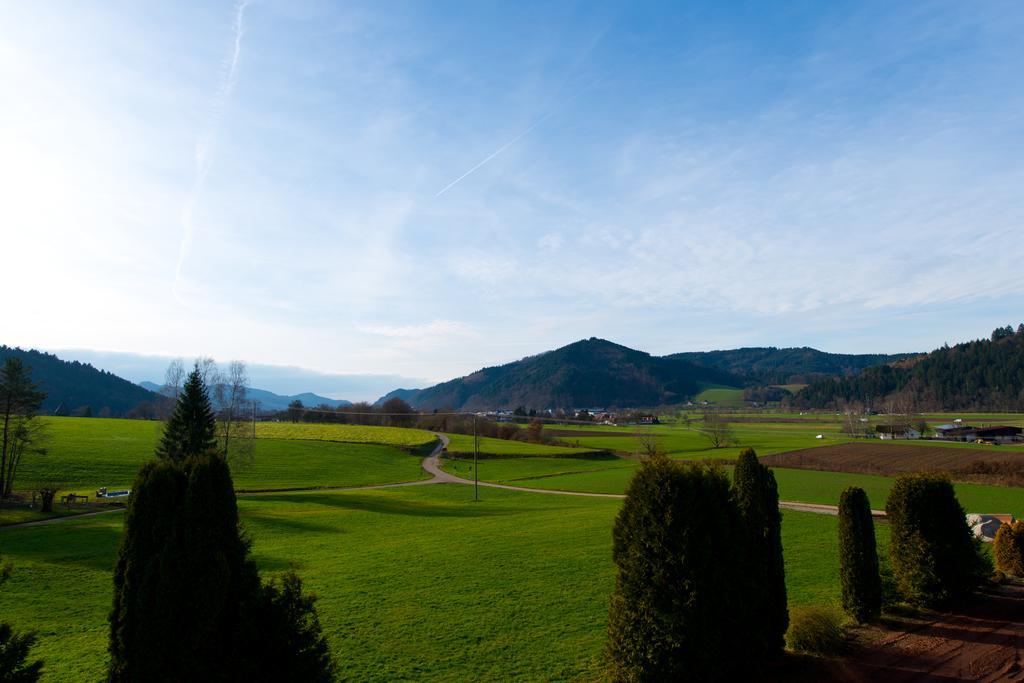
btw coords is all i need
(815, 630)
(1008, 549)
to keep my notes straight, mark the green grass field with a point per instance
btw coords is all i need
(720, 396)
(805, 486)
(681, 441)
(414, 583)
(85, 454)
(462, 443)
(390, 436)
(420, 582)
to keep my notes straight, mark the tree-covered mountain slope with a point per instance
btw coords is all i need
(588, 373)
(74, 388)
(986, 374)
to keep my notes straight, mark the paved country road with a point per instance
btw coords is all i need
(432, 464)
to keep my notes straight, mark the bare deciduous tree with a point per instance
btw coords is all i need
(717, 430)
(853, 419)
(173, 380)
(228, 393)
(902, 411)
(230, 399)
(648, 445)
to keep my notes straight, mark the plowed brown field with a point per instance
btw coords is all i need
(888, 459)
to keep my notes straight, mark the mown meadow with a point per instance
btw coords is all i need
(85, 454)
(414, 583)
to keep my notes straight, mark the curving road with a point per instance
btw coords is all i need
(432, 464)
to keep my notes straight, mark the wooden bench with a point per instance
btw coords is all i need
(73, 498)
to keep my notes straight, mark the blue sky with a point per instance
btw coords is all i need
(415, 190)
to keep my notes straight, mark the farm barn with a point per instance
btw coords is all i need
(997, 434)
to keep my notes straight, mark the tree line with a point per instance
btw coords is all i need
(700, 591)
(986, 374)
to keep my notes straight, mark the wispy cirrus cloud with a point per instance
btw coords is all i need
(218, 106)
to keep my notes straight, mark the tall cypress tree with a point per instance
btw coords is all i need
(858, 557)
(757, 497)
(675, 610)
(192, 427)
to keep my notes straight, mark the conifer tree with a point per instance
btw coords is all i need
(1009, 548)
(757, 497)
(188, 601)
(192, 428)
(15, 666)
(675, 610)
(933, 554)
(858, 557)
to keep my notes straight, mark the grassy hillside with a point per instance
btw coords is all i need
(462, 443)
(85, 454)
(391, 436)
(724, 397)
(389, 566)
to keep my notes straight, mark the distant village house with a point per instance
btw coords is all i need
(896, 432)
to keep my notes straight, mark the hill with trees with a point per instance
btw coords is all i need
(767, 365)
(74, 388)
(985, 374)
(588, 373)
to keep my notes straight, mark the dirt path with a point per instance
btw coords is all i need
(982, 641)
(57, 520)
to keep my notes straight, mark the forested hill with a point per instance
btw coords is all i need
(979, 375)
(767, 365)
(586, 374)
(74, 388)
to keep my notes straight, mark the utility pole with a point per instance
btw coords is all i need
(476, 469)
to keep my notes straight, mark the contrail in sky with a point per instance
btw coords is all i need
(230, 76)
(495, 153)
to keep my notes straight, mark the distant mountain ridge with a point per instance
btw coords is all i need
(595, 372)
(767, 365)
(588, 373)
(79, 388)
(268, 400)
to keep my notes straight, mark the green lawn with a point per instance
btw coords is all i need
(721, 396)
(681, 441)
(391, 436)
(462, 443)
(414, 583)
(807, 486)
(85, 454)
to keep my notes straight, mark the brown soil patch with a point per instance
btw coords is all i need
(982, 641)
(889, 459)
